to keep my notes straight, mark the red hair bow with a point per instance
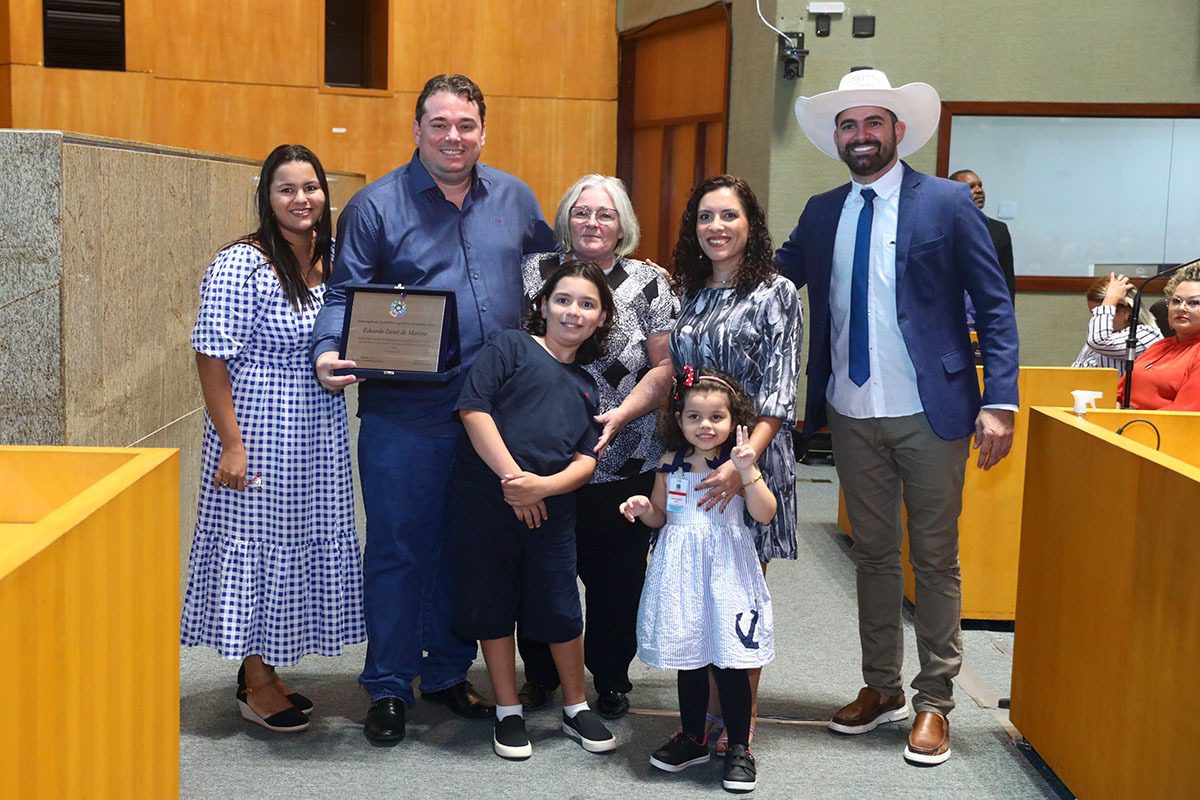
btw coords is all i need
(685, 379)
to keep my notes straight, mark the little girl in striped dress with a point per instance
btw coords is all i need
(705, 605)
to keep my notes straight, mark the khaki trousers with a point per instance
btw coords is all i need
(879, 461)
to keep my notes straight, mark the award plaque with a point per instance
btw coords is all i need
(398, 333)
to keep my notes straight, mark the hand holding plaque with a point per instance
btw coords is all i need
(398, 333)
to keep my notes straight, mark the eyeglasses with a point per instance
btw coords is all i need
(1192, 303)
(604, 216)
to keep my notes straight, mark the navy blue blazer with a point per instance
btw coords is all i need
(942, 248)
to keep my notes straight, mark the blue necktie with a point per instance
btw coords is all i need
(860, 356)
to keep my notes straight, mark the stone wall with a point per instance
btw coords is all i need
(102, 247)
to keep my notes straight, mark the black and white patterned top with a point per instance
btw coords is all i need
(645, 306)
(755, 339)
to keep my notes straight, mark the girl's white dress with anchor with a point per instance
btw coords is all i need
(705, 600)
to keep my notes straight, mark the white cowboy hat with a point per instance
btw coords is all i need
(917, 105)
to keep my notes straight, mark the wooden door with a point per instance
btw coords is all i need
(672, 105)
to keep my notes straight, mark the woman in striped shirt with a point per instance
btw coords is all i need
(1110, 299)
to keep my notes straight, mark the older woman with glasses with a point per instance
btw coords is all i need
(595, 223)
(1167, 375)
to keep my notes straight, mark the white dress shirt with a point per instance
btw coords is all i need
(891, 390)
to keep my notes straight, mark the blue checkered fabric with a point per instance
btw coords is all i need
(272, 571)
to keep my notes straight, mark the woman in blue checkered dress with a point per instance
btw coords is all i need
(274, 571)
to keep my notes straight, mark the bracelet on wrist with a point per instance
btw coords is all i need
(753, 480)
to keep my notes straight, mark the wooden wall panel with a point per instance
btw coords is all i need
(238, 119)
(646, 195)
(24, 33)
(378, 135)
(116, 104)
(5, 96)
(247, 76)
(143, 31)
(549, 143)
(714, 152)
(240, 41)
(565, 48)
(674, 81)
(681, 75)
(5, 33)
(681, 181)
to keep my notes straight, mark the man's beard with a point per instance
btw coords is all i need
(868, 163)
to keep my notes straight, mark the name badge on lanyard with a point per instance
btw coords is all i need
(676, 493)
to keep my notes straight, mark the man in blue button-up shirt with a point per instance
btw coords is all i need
(443, 221)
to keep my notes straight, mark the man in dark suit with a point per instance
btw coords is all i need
(996, 229)
(886, 259)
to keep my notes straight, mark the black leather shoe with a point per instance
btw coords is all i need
(612, 705)
(463, 700)
(535, 696)
(385, 721)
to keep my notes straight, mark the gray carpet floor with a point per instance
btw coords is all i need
(816, 670)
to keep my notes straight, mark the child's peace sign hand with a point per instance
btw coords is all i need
(743, 455)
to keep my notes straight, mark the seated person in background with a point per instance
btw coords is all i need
(1167, 375)
(1110, 300)
(1158, 310)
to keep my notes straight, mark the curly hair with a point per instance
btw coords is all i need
(535, 322)
(689, 266)
(702, 379)
(1190, 273)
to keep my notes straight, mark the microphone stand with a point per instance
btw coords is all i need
(1131, 340)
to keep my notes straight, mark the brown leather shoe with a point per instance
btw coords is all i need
(869, 710)
(929, 739)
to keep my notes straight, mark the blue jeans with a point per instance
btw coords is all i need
(407, 583)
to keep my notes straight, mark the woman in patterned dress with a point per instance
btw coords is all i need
(274, 571)
(595, 223)
(740, 317)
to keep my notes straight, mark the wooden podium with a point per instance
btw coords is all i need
(89, 618)
(1108, 605)
(989, 528)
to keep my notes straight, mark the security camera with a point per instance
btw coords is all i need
(792, 53)
(793, 67)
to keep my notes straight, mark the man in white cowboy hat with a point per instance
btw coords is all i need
(886, 259)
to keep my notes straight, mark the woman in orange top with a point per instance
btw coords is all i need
(1167, 375)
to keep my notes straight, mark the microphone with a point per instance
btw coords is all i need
(1131, 341)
